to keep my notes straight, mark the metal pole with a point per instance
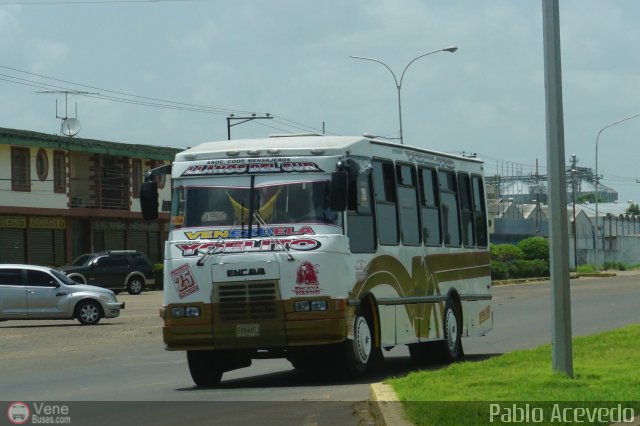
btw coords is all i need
(449, 49)
(562, 354)
(598, 178)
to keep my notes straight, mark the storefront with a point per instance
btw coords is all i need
(39, 240)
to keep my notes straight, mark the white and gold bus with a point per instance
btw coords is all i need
(322, 250)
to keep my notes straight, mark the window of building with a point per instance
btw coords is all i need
(42, 164)
(59, 172)
(136, 177)
(20, 169)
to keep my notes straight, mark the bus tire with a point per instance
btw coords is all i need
(361, 350)
(452, 330)
(204, 370)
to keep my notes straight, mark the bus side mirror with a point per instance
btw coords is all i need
(338, 197)
(149, 199)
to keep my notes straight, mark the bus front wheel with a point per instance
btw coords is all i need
(452, 325)
(203, 368)
(361, 352)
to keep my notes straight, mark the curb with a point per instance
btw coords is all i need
(385, 406)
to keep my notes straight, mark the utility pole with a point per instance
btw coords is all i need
(254, 116)
(561, 340)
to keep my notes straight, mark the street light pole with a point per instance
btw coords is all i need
(598, 178)
(449, 49)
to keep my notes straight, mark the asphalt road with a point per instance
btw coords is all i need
(123, 360)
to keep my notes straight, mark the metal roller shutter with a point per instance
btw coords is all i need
(12, 245)
(114, 240)
(59, 247)
(137, 240)
(41, 247)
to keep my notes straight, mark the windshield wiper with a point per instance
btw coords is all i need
(261, 222)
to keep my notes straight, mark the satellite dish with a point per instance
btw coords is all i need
(70, 126)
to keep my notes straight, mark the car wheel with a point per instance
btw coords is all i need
(79, 280)
(88, 312)
(135, 285)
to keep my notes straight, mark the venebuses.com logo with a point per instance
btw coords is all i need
(18, 413)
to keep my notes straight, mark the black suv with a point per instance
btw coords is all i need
(115, 269)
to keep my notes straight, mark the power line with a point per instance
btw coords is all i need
(128, 98)
(65, 2)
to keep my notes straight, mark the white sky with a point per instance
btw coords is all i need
(290, 58)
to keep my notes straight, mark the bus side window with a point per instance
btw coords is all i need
(384, 184)
(466, 212)
(449, 208)
(408, 204)
(479, 210)
(360, 222)
(430, 206)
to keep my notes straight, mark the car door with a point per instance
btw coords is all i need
(46, 297)
(110, 271)
(13, 295)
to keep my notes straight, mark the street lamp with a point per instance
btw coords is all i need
(449, 49)
(598, 177)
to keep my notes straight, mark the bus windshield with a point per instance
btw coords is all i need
(281, 203)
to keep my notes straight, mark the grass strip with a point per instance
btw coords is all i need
(606, 370)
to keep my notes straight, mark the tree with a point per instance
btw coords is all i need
(632, 210)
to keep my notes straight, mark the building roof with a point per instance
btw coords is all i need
(44, 140)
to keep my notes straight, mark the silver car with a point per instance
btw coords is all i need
(38, 292)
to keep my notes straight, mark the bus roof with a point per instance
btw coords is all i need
(297, 145)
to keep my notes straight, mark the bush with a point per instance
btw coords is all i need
(505, 252)
(585, 269)
(534, 248)
(618, 266)
(499, 270)
(158, 271)
(520, 268)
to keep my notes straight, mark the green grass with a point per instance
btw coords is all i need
(606, 368)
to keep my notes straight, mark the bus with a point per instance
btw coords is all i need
(324, 250)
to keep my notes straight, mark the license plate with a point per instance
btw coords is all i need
(247, 330)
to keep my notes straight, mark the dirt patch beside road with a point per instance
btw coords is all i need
(66, 341)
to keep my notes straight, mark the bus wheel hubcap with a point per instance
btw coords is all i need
(362, 339)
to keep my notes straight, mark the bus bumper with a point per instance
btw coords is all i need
(290, 330)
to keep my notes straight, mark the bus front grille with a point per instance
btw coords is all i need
(247, 301)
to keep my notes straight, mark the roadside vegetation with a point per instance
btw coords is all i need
(605, 371)
(530, 259)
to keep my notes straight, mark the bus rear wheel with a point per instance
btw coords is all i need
(203, 367)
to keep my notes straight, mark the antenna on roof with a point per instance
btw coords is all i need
(69, 126)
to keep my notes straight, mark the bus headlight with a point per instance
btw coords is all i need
(192, 311)
(188, 311)
(310, 305)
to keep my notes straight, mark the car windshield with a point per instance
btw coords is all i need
(83, 260)
(280, 203)
(62, 277)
